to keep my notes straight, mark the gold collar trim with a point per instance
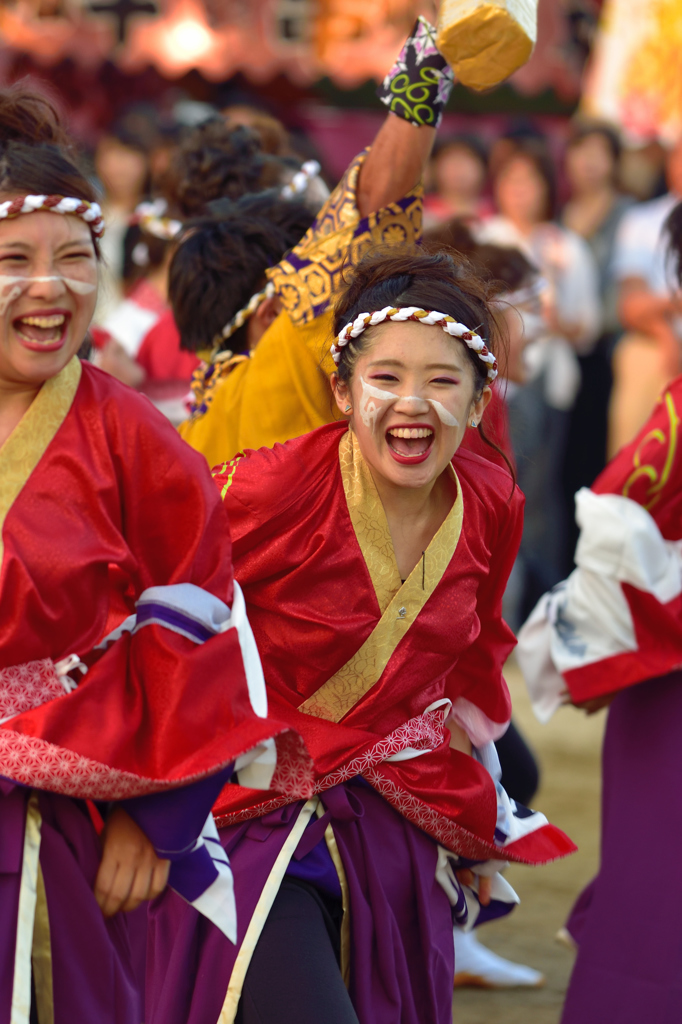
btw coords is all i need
(400, 603)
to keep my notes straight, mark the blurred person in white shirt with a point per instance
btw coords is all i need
(539, 413)
(648, 355)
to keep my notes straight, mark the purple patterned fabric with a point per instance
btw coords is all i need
(402, 952)
(627, 922)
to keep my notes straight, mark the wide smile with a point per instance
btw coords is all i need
(42, 332)
(410, 445)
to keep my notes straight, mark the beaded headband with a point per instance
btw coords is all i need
(241, 316)
(89, 212)
(422, 316)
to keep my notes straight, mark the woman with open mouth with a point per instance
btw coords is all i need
(127, 668)
(373, 555)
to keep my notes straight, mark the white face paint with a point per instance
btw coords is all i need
(11, 287)
(442, 413)
(374, 399)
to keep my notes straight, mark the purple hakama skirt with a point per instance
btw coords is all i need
(401, 950)
(628, 922)
(91, 976)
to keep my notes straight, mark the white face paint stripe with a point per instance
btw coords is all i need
(370, 409)
(369, 403)
(12, 286)
(442, 413)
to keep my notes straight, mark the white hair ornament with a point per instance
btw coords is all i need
(423, 316)
(301, 179)
(152, 218)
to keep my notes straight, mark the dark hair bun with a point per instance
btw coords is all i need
(215, 162)
(28, 117)
(36, 155)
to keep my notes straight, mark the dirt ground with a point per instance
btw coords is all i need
(568, 749)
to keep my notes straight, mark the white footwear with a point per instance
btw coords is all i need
(478, 967)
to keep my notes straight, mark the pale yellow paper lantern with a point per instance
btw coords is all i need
(485, 41)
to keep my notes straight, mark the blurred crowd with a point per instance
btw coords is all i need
(592, 319)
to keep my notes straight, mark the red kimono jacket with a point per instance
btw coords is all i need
(100, 504)
(367, 669)
(617, 620)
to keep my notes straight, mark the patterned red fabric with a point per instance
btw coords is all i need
(23, 687)
(118, 503)
(311, 605)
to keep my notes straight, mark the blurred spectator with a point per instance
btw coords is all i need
(525, 193)
(273, 136)
(458, 175)
(521, 133)
(648, 355)
(276, 141)
(515, 281)
(122, 168)
(216, 161)
(594, 211)
(119, 336)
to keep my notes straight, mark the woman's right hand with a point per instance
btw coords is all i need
(130, 871)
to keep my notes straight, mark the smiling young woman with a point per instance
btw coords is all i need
(373, 555)
(116, 590)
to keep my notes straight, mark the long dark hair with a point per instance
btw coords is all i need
(430, 280)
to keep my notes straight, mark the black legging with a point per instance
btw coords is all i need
(520, 773)
(294, 975)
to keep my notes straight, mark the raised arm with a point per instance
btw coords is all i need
(415, 90)
(395, 163)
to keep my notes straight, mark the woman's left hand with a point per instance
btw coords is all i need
(130, 871)
(466, 877)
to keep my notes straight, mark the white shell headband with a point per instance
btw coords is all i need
(422, 316)
(89, 212)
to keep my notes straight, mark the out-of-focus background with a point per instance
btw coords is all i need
(576, 160)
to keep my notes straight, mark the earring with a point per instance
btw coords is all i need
(347, 409)
(474, 423)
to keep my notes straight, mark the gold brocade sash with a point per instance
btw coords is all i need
(26, 445)
(400, 603)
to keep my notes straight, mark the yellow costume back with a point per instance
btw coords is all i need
(283, 390)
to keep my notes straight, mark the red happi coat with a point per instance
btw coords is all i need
(100, 500)
(312, 552)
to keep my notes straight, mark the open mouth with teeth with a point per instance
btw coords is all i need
(42, 330)
(410, 443)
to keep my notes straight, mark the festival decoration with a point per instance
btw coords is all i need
(634, 76)
(54, 30)
(348, 41)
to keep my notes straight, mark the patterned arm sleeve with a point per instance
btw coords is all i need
(310, 276)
